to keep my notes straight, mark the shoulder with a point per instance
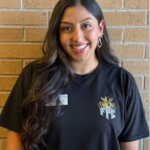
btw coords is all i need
(117, 73)
(115, 70)
(29, 68)
(26, 77)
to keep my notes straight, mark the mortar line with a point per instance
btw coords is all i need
(21, 42)
(127, 26)
(21, 4)
(3, 137)
(146, 18)
(24, 43)
(17, 59)
(11, 9)
(146, 106)
(123, 33)
(143, 82)
(139, 74)
(5, 91)
(47, 17)
(144, 91)
(123, 2)
(134, 59)
(22, 34)
(142, 145)
(120, 63)
(51, 9)
(136, 75)
(3, 75)
(20, 25)
(125, 10)
(23, 63)
(144, 52)
(26, 9)
(125, 42)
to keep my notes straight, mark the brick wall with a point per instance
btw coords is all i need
(23, 24)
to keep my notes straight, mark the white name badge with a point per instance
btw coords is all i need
(63, 100)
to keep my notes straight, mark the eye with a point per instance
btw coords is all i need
(66, 28)
(87, 26)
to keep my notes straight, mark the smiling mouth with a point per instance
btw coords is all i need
(79, 47)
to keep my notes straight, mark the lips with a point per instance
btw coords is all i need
(80, 49)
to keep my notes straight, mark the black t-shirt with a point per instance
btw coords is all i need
(100, 110)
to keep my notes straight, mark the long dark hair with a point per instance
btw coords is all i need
(52, 73)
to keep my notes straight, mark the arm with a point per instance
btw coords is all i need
(129, 145)
(13, 141)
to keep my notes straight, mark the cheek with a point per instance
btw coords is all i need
(64, 40)
(93, 35)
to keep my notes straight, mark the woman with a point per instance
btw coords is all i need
(79, 99)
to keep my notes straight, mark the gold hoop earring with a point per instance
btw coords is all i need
(99, 42)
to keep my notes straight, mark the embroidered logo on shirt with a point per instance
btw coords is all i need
(107, 108)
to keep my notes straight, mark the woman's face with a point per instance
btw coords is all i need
(79, 32)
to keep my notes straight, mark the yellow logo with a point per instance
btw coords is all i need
(106, 106)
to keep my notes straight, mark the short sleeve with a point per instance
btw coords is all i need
(135, 125)
(11, 117)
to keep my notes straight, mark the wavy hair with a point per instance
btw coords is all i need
(52, 73)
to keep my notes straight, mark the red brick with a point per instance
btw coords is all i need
(10, 34)
(7, 83)
(138, 82)
(145, 99)
(117, 32)
(26, 62)
(21, 50)
(130, 4)
(3, 98)
(10, 67)
(110, 4)
(147, 112)
(23, 17)
(136, 67)
(128, 51)
(3, 132)
(10, 4)
(125, 18)
(3, 144)
(146, 143)
(35, 34)
(136, 34)
(39, 3)
(147, 83)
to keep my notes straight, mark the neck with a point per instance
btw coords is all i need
(84, 67)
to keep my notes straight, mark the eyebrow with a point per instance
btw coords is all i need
(80, 21)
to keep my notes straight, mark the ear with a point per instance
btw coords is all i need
(101, 28)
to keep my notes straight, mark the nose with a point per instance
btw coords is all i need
(77, 35)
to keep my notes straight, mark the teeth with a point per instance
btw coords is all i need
(79, 47)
